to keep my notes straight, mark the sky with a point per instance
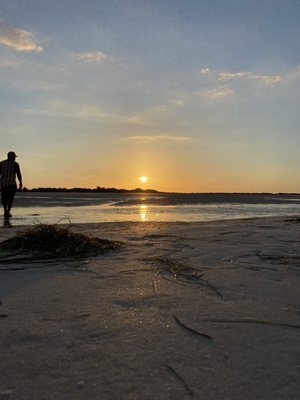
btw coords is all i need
(197, 95)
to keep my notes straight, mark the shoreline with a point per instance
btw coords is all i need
(123, 325)
(82, 207)
(77, 199)
(94, 228)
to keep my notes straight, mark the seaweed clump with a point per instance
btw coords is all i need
(52, 241)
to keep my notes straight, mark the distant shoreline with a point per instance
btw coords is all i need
(140, 190)
(88, 190)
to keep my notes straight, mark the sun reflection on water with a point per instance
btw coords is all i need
(143, 212)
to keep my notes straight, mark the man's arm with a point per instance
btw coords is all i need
(19, 175)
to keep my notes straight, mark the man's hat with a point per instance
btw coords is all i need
(11, 154)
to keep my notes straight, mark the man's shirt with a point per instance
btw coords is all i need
(8, 171)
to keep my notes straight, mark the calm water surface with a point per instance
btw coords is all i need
(31, 208)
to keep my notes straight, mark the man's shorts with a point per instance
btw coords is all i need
(8, 192)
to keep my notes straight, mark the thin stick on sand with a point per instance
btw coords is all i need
(191, 329)
(251, 321)
(154, 285)
(174, 372)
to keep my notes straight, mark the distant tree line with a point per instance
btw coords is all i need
(98, 189)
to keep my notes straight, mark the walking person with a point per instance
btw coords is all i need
(9, 170)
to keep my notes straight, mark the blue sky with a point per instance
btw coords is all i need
(196, 95)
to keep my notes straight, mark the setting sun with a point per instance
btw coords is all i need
(143, 179)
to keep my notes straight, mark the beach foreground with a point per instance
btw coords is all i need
(207, 310)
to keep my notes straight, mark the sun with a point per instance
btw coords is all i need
(143, 179)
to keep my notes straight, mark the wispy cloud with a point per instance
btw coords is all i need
(219, 92)
(158, 138)
(138, 120)
(94, 56)
(19, 39)
(151, 116)
(204, 71)
(265, 79)
(63, 109)
(177, 103)
(86, 112)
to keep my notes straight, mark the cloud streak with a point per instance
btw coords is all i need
(19, 39)
(94, 56)
(164, 137)
(265, 79)
(219, 92)
(63, 109)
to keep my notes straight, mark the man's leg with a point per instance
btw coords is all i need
(10, 199)
(9, 206)
(4, 201)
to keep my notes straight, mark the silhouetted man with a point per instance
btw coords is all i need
(9, 170)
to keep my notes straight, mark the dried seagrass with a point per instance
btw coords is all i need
(53, 241)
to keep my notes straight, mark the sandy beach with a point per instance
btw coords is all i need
(204, 310)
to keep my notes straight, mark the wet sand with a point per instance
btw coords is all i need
(184, 310)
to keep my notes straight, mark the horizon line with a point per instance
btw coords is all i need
(148, 190)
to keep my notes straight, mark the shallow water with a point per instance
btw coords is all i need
(33, 208)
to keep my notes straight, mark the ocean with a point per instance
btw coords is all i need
(64, 207)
